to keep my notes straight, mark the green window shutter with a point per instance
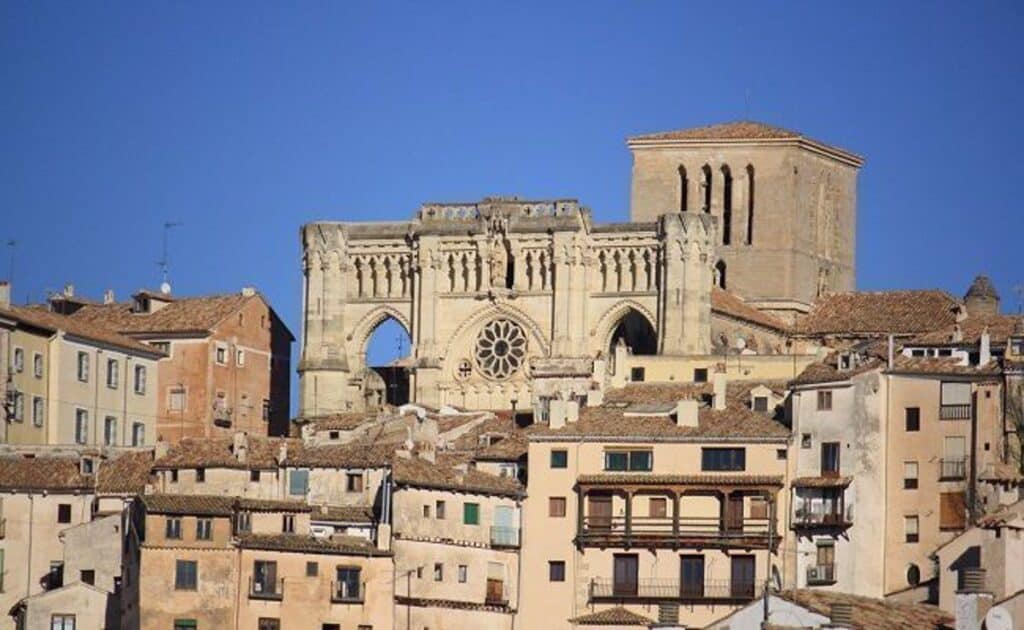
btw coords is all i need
(471, 513)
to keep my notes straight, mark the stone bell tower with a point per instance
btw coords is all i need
(786, 206)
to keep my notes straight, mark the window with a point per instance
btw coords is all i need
(174, 475)
(162, 346)
(19, 360)
(952, 511)
(805, 440)
(825, 400)
(264, 578)
(559, 458)
(910, 475)
(910, 529)
(88, 466)
(185, 624)
(354, 482)
(349, 583)
(64, 513)
(830, 459)
(334, 435)
(556, 571)
(288, 523)
(172, 528)
(629, 460)
(88, 576)
(657, 507)
(110, 430)
(254, 475)
(471, 513)
(240, 357)
(636, 374)
(221, 355)
(625, 574)
(438, 572)
(37, 365)
(760, 403)
(439, 510)
(19, 407)
(700, 375)
(780, 453)
(684, 185)
(298, 482)
(266, 410)
(312, 569)
(176, 399)
(140, 379)
(138, 434)
(200, 475)
(718, 459)
(55, 578)
(113, 373)
(204, 529)
(463, 573)
(83, 367)
(62, 622)
(37, 411)
(426, 510)
(268, 623)
(719, 275)
(556, 507)
(913, 575)
(186, 575)
(243, 522)
(758, 507)
(750, 204)
(913, 418)
(81, 426)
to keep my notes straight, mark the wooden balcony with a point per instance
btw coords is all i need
(671, 590)
(646, 532)
(821, 508)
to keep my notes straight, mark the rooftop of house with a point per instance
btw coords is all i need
(114, 473)
(494, 439)
(451, 472)
(969, 331)
(299, 543)
(731, 305)
(873, 313)
(40, 318)
(267, 453)
(216, 505)
(617, 616)
(869, 612)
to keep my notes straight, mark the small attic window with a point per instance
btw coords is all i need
(917, 352)
(88, 466)
(140, 304)
(760, 403)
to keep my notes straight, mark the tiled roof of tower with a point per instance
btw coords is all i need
(879, 313)
(868, 612)
(617, 616)
(731, 305)
(41, 318)
(982, 287)
(193, 314)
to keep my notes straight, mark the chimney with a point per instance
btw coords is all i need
(240, 446)
(5, 294)
(161, 449)
(557, 414)
(108, 296)
(687, 412)
(282, 453)
(973, 601)
(720, 385)
(985, 349)
(892, 350)
(248, 291)
(69, 290)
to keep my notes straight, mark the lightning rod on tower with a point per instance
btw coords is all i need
(164, 262)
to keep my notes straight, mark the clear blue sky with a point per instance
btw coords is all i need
(245, 120)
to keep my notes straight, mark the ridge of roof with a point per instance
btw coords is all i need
(91, 331)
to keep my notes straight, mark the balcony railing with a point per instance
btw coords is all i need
(266, 589)
(955, 412)
(821, 574)
(830, 518)
(668, 589)
(346, 593)
(953, 469)
(505, 537)
(707, 531)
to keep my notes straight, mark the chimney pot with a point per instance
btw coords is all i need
(248, 291)
(108, 296)
(5, 293)
(687, 412)
(69, 290)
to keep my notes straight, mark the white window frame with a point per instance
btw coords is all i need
(140, 380)
(37, 364)
(113, 373)
(110, 437)
(38, 413)
(18, 360)
(81, 426)
(138, 434)
(19, 406)
(171, 392)
(220, 354)
(83, 366)
(240, 357)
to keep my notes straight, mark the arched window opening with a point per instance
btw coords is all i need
(387, 353)
(726, 205)
(720, 274)
(750, 204)
(684, 187)
(706, 185)
(636, 332)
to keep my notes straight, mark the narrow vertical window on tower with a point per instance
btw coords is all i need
(706, 185)
(720, 274)
(684, 187)
(726, 205)
(750, 204)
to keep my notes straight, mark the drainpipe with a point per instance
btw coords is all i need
(31, 528)
(973, 461)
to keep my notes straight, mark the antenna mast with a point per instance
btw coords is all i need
(164, 263)
(11, 244)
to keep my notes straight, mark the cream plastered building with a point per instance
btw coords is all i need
(657, 501)
(25, 352)
(512, 300)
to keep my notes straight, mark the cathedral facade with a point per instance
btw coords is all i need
(510, 302)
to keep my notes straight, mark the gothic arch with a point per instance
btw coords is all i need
(610, 320)
(362, 331)
(496, 311)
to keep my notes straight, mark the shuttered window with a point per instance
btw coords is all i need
(952, 511)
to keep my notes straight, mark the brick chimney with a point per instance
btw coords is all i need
(720, 386)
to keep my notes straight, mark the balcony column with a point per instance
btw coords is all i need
(629, 514)
(675, 515)
(579, 511)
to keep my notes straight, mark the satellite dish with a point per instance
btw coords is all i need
(741, 343)
(165, 288)
(998, 618)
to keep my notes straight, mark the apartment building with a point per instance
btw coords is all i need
(74, 382)
(456, 542)
(228, 365)
(665, 500)
(62, 515)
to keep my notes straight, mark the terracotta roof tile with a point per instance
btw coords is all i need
(341, 421)
(193, 314)
(189, 504)
(271, 505)
(118, 473)
(821, 482)
(351, 455)
(731, 305)
(969, 331)
(941, 365)
(872, 613)
(454, 604)
(41, 318)
(511, 441)
(827, 371)
(337, 545)
(879, 313)
(617, 616)
(342, 513)
(218, 452)
(445, 474)
(1002, 473)
(127, 473)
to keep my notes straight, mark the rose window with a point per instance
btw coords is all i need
(500, 349)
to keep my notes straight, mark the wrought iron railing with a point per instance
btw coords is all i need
(346, 593)
(266, 589)
(665, 589)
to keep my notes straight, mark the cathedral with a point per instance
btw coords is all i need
(512, 302)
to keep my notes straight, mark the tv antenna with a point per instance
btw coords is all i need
(11, 245)
(1019, 290)
(164, 263)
